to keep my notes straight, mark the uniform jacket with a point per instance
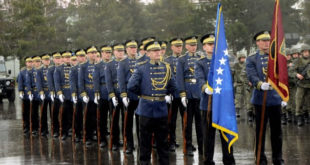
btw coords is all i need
(86, 80)
(100, 85)
(62, 81)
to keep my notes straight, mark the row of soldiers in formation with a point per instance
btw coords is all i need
(153, 86)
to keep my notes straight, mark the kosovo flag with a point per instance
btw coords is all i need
(220, 81)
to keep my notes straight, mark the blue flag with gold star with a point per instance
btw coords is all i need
(220, 81)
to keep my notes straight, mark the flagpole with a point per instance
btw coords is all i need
(261, 127)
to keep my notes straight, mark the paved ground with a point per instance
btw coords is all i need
(15, 148)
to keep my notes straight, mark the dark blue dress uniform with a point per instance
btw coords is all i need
(42, 86)
(189, 88)
(22, 88)
(62, 87)
(124, 72)
(152, 82)
(256, 68)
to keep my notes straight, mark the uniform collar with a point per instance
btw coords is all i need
(132, 58)
(260, 52)
(209, 57)
(153, 62)
(191, 54)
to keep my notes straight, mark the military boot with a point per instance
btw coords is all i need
(289, 117)
(283, 119)
(300, 120)
(238, 112)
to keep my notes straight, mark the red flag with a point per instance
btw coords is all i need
(277, 67)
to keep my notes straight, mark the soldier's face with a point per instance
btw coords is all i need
(263, 45)
(106, 55)
(295, 55)
(74, 62)
(306, 53)
(242, 59)
(208, 48)
(46, 62)
(131, 51)
(81, 59)
(191, 48)
(29, 64)
(154, 54)
(288, 57)
(66, 60)
(37, 64)
(92, 55)
(57, 61)
(177, 49)
(119, 54)
(163, 51)
(142, 52)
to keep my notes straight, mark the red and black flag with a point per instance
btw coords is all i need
(277, 67)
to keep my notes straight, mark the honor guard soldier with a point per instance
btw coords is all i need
(33, 94)
(76, 99)
(42, 86)
(101, 92)
(22, 88)
(57, 60)
(153, 81)
(300, 69)
(202, 68)
(176, 47)
(190, 92)
(63, 92)
(86, 87)
(130, 100)
(256, 68)
(114, 93)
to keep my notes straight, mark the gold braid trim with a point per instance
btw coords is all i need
(165, 80)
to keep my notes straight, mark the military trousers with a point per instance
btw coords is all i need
(35, 115)
(239, 96)
(26, 114)
(248, 95)
(43, 115)
(302, 99)
(176, 107)
(209, 140)
(115, 128)
(55, 113)
(65, 114)
(291, 105)
(133, 104)
(90, 115)
(103, 118)
(273, 115)
(158, 126)
(193, 112)
(78, 120)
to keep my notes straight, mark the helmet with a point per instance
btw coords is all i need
(304, 47)
(240, 56)
(294, 51)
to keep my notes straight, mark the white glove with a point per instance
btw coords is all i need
(184, 101)
(21, 95)
(30, 97)
(126, 101)
(85, 99)
(74, 99)
(96, 100)
(61, 98)
(283, 104)
(114, 101)
(208, 91)
(42, 97)
(168, 99)
(52, 97)
(265, 86)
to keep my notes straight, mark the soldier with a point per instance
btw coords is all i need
(130, 100)
(33, 94)
(87, 93)
(76, 99)
(202, 67)
(189, 90)
(101, 92)
(55, 101)
(114, 93)
(240, 82)
(256, 68)
(176, 47)
(300, 69)
(42, 86)
(63, 91)
(153, 81)
(22, 88)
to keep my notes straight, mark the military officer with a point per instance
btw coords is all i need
(202, 67)
(130, 100)
(42, 86)
(57, 60)
(76, 99)
(256, 68)
(300, 69)
(101, 92)
(176, 47)
(63, 92)
(22, 88)
(114, 93)
(87, 92)
(240, 82)
(153, 81)
(33, 93)
(190, 92)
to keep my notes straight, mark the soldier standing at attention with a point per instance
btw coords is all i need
(51, 86)
(87, 92)
(152, 81)
(42, 86)
(114, 93)
(240, 82)
(190, 92)
(176, 47)
(22, 88)
(300, 69)
(77, 100)
(63, 92)
(256, 68)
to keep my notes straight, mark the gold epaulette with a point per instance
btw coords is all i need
(202, 57)
(51, 66)
(140, 56)
(143, 62)
(123, 59)
(182, 55)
